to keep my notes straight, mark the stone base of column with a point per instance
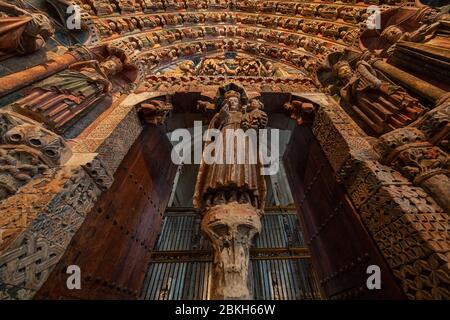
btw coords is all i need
(231, 228)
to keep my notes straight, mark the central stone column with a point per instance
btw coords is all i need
(230, 193)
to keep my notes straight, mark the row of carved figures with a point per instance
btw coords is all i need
(327, 30)
(347, 14)
(300, 60)
(105, 8)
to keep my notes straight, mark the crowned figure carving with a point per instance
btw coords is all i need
(230, 194)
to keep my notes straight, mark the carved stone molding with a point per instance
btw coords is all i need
(409, 226)
(111, 136)
(155, 111)
(38, 223)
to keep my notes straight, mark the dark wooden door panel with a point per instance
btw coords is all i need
(113, 245)
(340, 246)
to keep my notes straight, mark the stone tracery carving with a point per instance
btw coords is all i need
(155, 111)
(423, 160)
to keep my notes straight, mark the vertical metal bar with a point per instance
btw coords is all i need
(147, 287)
(185, 231)
(197, 277)
(175, 185)
(159, 279)
(209, 268)
(205, 280)
(286, 279)
(273, 274)
(163, 282)
(256, 280)
(178, 233)
(267, 281)
(160, 238)
(175, 281)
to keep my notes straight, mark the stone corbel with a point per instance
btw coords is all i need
(155, 112)
(299, 111)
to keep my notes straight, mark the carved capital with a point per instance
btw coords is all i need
(416, 154)
(389, 142)
(420, 161)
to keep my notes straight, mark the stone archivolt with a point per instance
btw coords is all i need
(385, 135)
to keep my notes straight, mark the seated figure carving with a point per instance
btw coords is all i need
(380, 104)
(401, 24)
(61, 99)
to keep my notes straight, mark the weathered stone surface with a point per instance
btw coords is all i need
(231, 227)
(39, 224)
(111, 137)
